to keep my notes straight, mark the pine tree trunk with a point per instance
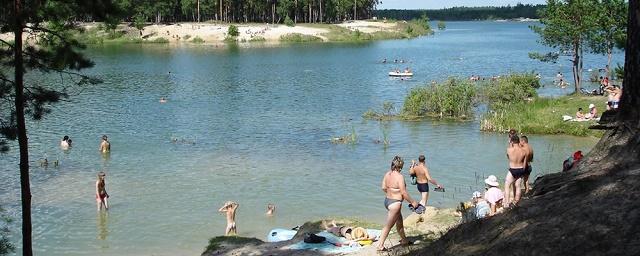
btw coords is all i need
(620, 146)
(198, 10)
(22, 131)
(320, 11)
(576, 66)
(609, 57)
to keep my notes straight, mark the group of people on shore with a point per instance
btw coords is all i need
(394, 187)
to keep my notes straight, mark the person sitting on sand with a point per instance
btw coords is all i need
(580, 115)
(101, 192)
(271, 208)
(64, 144)
(395, 191)
(593, 112)
(230, 208)
(493, 195)
(482, 207)
(105, 146)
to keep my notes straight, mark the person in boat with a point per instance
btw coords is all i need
(395, 192)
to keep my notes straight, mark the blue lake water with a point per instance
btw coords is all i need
(253, 125)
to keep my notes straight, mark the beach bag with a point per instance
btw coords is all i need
(414, 179)
(313, 238)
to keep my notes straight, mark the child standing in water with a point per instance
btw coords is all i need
(230, 208)
(270, 209)
(101, 192)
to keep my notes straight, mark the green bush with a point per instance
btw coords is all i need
(233, 31)
(197, 40)
(160, 40)
(299, 38)
(510, 89)
(288, 21)
(454, 98)
(257, 39)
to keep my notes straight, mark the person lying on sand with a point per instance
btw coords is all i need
(353, 234)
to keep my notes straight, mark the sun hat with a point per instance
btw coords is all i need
(359, 232)
(592, 106)
(492, 181)
(477, 194)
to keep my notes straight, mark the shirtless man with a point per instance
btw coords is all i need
(517, 166)
(270, 209)
(524, 143)
(395, 192)
(105, 146)
(421, 172)
(230, 208)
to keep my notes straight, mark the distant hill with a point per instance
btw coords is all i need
(465, 13)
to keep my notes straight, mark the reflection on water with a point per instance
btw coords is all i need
(103, 231)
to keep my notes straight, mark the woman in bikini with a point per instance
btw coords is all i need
(101, 192)
(395, 190)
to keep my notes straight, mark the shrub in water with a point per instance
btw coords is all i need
(453, 98)
(511, 89)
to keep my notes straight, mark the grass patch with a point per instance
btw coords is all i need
(230, 39)
(159, 40)
(299, 38)
(256, 39)
(197, 40)
(215, 243)
(543, 116)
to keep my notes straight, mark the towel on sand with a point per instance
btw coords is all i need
(329, 246)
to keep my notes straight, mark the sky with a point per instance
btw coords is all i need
(439, 4)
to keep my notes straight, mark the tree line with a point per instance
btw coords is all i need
(465, 13)
(271, 11)
(576, 27)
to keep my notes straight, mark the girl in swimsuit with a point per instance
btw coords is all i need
(101, 192)
(395, 190)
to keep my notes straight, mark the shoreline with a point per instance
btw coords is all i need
(423, 230)
(208, 33)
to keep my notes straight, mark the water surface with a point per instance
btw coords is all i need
(253, 125)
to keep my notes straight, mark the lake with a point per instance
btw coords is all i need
(253, 124)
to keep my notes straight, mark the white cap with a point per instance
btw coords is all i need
(592, 106)
(477, 194)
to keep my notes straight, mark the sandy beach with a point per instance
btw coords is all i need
(214, 33)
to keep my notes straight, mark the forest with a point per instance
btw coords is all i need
(465, 13)
(262, 11)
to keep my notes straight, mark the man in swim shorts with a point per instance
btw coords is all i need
(423, 178)
(230, 208)
(524, 143)
(517, 169)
